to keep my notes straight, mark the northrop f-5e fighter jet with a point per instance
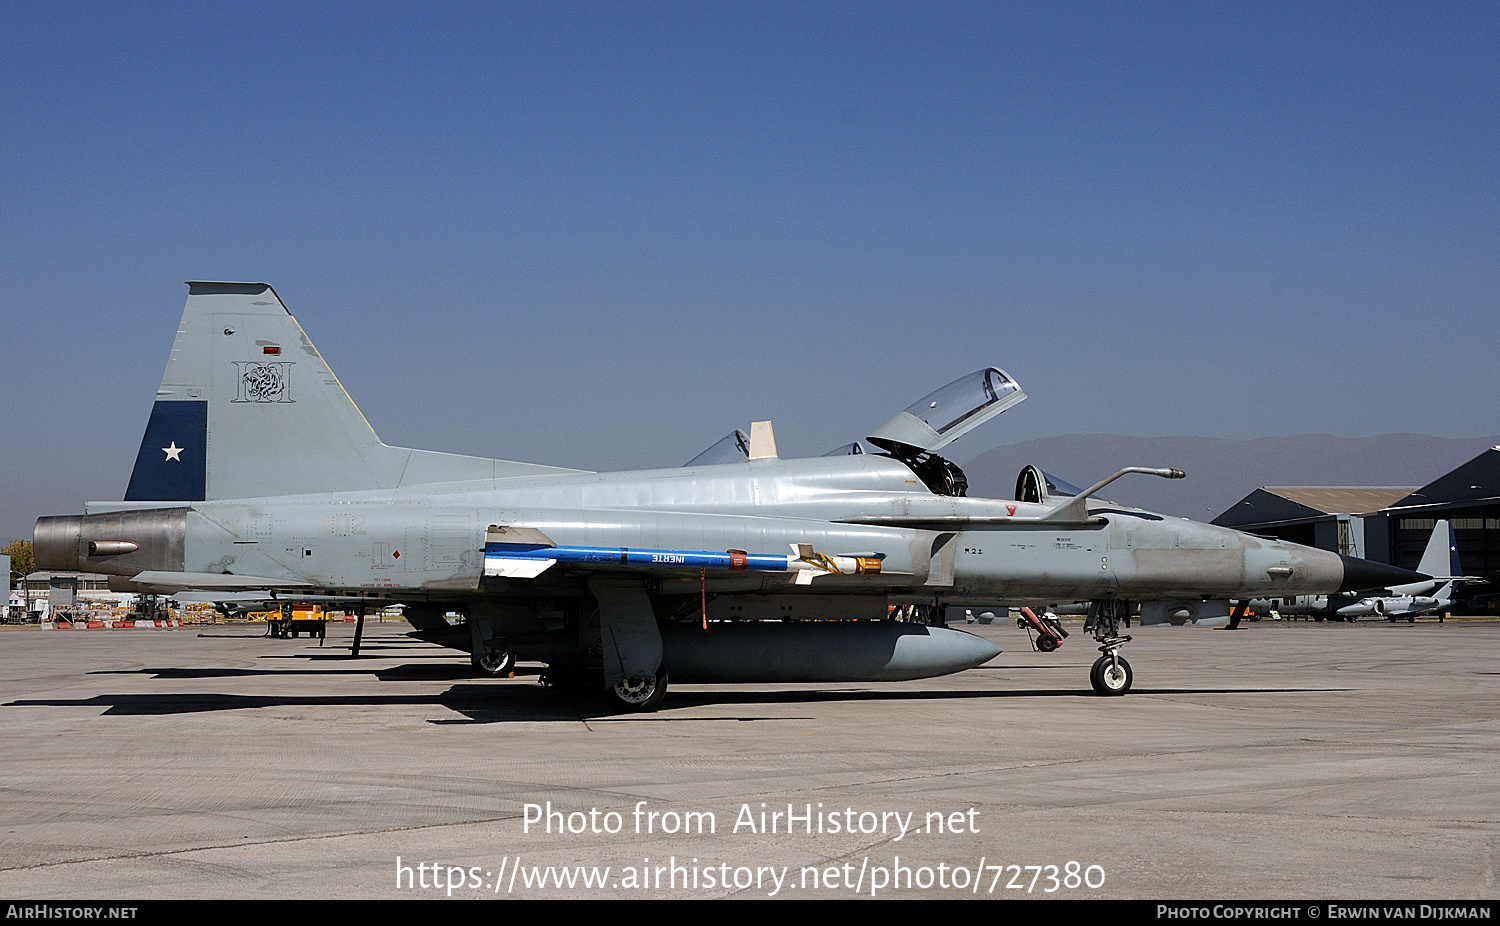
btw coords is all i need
(258, 474)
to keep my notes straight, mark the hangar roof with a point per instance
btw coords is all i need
(1342, 499)
(1282, 504)
(1475, 481)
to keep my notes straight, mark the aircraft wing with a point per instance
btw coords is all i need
(171, 582)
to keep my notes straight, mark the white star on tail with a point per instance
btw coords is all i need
(173, 452)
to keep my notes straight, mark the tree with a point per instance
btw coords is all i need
(21, 560)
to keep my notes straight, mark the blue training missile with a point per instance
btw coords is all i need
(528, 553)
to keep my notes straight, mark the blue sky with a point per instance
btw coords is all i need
(602, 235)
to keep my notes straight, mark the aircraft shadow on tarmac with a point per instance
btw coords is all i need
(405, 673)
(491, 703)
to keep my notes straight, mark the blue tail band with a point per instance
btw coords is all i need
(172, 465)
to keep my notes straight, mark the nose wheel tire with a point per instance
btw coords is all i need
(1111, 677)
(493, 663)
(637, 695)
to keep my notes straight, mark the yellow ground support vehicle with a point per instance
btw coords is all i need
(290, 622)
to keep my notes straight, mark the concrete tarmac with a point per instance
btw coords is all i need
(1303, 761)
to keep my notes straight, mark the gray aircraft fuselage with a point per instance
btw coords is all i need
(426, 542)
(258, 474)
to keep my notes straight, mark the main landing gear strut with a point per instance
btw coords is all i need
(1111, 674)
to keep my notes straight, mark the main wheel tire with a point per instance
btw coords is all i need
(1111, 678)
(493, 663)
(637, 695)
(1045, 643)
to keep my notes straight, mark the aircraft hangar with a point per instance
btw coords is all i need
(1386, 524)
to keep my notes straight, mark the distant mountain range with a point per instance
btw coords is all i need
(1221, 472)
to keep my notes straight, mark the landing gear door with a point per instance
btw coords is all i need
(944, 416)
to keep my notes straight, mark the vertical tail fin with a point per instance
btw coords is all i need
(1449, 554)
(1440, 558)
(247, 407)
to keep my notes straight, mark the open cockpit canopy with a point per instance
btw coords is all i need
(733, 447)
(942, 417)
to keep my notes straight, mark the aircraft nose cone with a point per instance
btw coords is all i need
(1361, 574)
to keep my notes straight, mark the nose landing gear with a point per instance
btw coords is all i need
(1111, 674)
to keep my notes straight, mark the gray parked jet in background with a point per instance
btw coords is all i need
(1439, 562)
(257, 473)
